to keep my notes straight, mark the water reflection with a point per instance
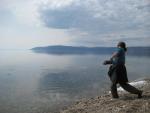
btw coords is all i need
(36, 83)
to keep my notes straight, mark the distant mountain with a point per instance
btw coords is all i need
(60, 49)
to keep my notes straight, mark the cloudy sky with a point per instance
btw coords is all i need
(29, 23)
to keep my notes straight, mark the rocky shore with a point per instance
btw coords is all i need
(127, 103)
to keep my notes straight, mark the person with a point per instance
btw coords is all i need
(117, 72)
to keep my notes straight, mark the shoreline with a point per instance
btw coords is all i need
(127, 103)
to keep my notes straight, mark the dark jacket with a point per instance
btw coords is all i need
(118, 73)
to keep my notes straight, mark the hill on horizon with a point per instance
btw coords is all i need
(61, 49)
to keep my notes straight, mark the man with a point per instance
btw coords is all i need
(117, 72)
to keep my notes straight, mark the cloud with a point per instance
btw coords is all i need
(92, 21)
(22, 28)
(88, 22)
(98, 16)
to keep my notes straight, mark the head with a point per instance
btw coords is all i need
(122, 45)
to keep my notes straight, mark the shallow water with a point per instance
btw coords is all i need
(40, 83)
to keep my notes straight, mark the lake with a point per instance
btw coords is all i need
(43, 83)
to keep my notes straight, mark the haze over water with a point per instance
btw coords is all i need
(37, 83)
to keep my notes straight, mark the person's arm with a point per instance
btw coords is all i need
(106, 62)
(114, 55)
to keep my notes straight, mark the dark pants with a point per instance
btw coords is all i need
(125, 86)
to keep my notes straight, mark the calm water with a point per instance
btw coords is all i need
(43, 83)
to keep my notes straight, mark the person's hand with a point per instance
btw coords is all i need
(107, 62)
(104, 63)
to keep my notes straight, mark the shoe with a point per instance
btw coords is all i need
(140, 94)
(115, 97)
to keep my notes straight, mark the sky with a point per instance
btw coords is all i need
(30, 23)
